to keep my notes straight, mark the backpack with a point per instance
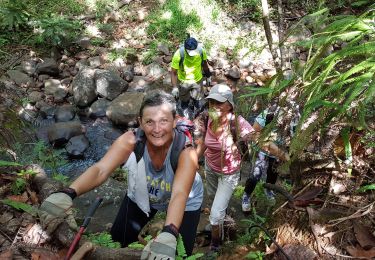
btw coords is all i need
(184, 127)
(182, 55)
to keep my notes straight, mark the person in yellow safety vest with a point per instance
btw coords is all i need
(189, 67)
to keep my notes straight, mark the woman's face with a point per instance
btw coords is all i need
(157, 122)
(218, 109)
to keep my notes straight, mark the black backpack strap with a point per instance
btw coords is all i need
(179, 144)
(182, 56)
(140, 144)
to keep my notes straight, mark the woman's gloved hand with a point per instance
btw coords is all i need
(162, 247)
(56, 209)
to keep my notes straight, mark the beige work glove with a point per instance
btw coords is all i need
(163, 247)
(56, 209)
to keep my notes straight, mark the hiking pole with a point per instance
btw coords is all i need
(82, 228)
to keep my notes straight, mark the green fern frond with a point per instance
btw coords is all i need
(21, 206)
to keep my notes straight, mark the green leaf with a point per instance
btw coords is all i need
(366, 188)
(348, 148)
(21, 206)
(6, 164)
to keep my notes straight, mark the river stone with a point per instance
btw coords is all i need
(109, 84)
(60, 133)
(64, 113)
(20, 78)
(125, 108)
(99, 108)
(84, 87)
(77, 145)
(48, 66)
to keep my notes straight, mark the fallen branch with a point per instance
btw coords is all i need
(359, 213)
(114, 254)
(298, 193)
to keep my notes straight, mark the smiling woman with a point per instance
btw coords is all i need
(153, 185)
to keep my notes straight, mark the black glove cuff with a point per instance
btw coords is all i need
(69, 191)
(172, 229)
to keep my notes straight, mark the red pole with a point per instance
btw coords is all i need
(85, 223)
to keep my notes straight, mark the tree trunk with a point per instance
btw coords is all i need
(281, 31)
(267, 30)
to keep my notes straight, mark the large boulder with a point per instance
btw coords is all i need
(125, 108)
(109, 84)
(84, 89)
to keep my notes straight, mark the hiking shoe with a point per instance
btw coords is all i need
(246, 203)
(214, 248)
(269, 194)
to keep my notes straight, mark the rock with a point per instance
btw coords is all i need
(95, 62)
(154, 71)
(163, 49)
(233, 73)
(128, 73)
(125, 108)
(29, 66)
(139, 84)
(53, 87)
(48, 66)
(35, 96)
(109, 84)
(64, 113)
(60, 133)
(84, 88)
(77, 145)
(20, 78)
(99, 108)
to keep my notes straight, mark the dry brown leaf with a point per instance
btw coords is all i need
(310, 194)
(305, 203)
(39, 254)
(358, 251)
(364, 236)
(6, 255)
(33, 197)
(19, 198)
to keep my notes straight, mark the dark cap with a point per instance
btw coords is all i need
(190, 44)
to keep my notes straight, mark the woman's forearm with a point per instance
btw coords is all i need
(176, 209)
(89, 180)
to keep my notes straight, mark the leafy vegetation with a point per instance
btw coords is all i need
(338, 87)
(39, 22)
(56, 30)
(171, 21)
(40, 153)
(20, 206)
(103, 239)
(19, 185)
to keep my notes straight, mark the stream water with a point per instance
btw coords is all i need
(101, 134)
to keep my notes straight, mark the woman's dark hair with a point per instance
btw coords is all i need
(156, 98)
